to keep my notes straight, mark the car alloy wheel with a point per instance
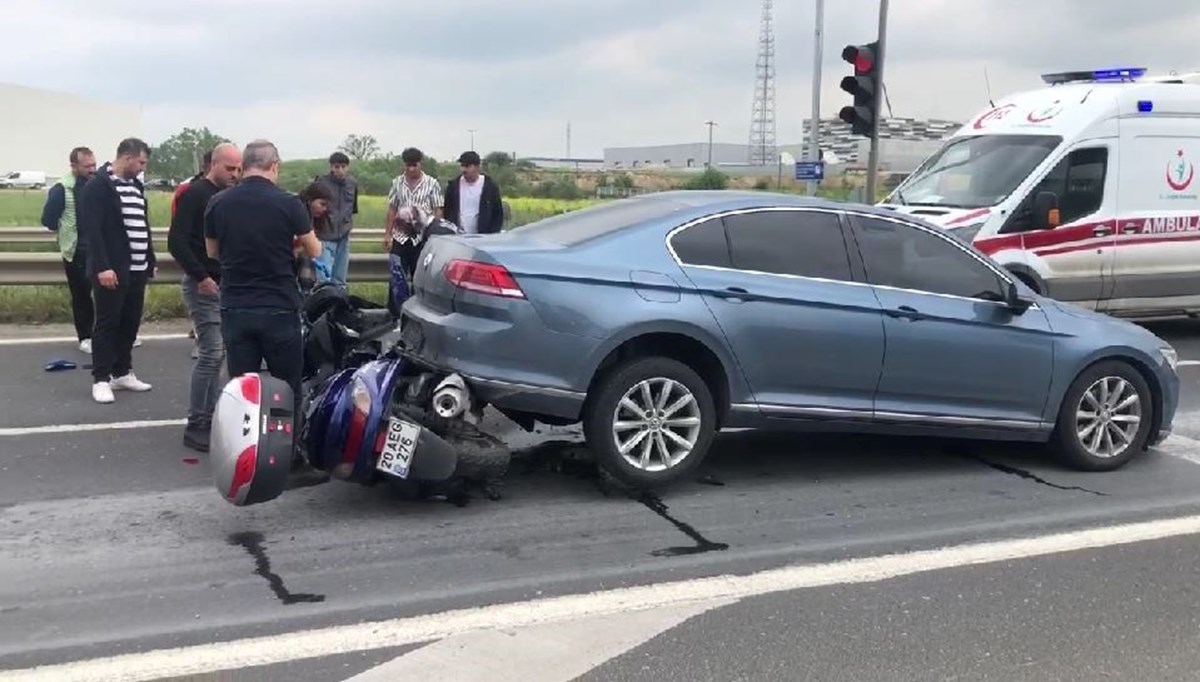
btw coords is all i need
(1105, 417)
(1108, 416)
(649, 421)
(656, 424)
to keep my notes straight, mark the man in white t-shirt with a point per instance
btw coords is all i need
(472, 199)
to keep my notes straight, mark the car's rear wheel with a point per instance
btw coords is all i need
(1105, 418)
(650, 421)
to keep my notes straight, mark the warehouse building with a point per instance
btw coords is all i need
(904, 143)
(38, 128)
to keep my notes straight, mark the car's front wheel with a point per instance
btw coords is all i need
(650, 421)
(1105, 418)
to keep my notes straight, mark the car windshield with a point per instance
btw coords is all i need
(975, 172)
(576, 227)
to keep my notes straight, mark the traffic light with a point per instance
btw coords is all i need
(865, 87)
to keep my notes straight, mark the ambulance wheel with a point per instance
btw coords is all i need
(1028, 281)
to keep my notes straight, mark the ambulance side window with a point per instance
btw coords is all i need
(1077, 181)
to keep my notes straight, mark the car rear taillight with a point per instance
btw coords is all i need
(484, 278)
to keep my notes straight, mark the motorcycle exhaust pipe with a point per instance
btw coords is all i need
(451, 398)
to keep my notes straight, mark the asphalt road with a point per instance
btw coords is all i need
(114, 541)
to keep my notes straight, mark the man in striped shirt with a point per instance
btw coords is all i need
(120, 260)
(413, 188)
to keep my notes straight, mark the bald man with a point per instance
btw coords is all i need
(201, 288)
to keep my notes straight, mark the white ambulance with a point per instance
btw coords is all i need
(1087, 189)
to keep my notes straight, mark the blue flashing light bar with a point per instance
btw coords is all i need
(1095, 76)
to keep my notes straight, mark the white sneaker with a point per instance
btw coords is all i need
(137, 342)
(130, 382)
(102, 392)
(85, 346)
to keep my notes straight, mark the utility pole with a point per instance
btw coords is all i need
(568, 139)
(814, 125)
(472, 132)
(881, 58)
(710, 125)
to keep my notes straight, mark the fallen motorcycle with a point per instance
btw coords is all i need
(367, 415)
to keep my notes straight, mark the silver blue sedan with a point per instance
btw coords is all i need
(658, 320)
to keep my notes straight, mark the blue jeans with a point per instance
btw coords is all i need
(398, 285)
(205, 313)
(336, 257)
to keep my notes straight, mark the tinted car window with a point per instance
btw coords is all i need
(703, 244)
(898, 255)
(579, 226)
(1077, 181)
(803, 243)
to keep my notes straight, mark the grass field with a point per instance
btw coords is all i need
(42, 304)
(23, 208)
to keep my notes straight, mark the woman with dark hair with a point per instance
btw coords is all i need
(316, 198)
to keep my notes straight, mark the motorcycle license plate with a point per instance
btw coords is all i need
(399, 447)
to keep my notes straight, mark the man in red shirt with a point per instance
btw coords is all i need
(206, 163)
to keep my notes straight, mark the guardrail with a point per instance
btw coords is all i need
(40, 235)
(47, 268)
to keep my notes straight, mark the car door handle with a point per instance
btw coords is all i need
(1102, 231)
(904, 312)
(734, 294)
(1130, 228)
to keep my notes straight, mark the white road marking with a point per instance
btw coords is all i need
(1188, 363)
(1182, 447)
(550, 652)
(344, 639)
(78, 428)
(32, 341)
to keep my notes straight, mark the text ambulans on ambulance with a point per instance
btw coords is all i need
(1087, 189)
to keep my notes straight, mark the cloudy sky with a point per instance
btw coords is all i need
(305, 73)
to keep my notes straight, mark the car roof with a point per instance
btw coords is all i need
(715, 201)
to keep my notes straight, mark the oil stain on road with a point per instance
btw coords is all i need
(252, 542)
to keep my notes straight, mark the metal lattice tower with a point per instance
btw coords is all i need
(762, 120)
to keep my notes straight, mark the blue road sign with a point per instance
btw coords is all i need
(810, 170)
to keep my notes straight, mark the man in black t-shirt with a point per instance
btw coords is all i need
(200, 287)
(250, 229)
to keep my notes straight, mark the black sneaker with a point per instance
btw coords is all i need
(196, 439)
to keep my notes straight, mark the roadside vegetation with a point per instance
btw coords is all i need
(532, 193)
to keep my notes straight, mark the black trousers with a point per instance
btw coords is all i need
(118, 317)
(83, 311)
(254, 335)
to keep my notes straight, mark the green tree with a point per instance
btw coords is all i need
(360, 147)
(711, 178)
(494, 161)
(179, 156)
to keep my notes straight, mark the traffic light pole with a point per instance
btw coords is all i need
(814, 126)
(881, 59)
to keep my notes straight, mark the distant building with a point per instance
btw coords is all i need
(38, 128)
(688, 155)
(836, 137)
(564, 163)
(904, 143)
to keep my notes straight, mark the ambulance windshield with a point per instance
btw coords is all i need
(975, 172)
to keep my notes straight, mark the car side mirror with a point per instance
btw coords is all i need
(1014, 300)
(1045, 210)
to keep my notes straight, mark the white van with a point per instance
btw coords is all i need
(1087, 189)
(23, 180)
